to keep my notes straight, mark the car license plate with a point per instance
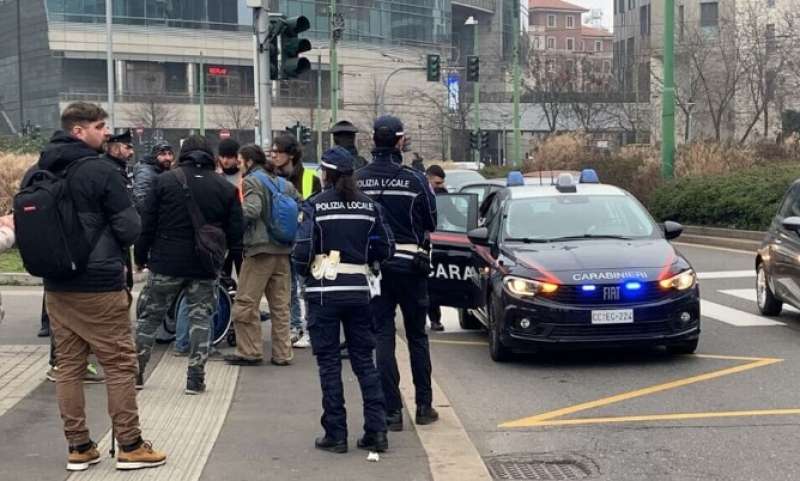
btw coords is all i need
(624, 316)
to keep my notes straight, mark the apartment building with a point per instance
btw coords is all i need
(579, 55)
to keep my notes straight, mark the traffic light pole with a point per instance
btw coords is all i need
(334, 69)
(319, 107)
(476, 101)
(668, 94)
(202, 94)
(517, 161)
(109, 64)
(264, 82)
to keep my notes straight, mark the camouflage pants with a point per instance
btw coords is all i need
(157, 297)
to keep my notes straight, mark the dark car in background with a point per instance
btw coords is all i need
(778, 259)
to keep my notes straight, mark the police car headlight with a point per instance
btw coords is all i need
(683, 281)
(520, 287)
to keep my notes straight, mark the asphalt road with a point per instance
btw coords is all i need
(729, 413)
(688, 426)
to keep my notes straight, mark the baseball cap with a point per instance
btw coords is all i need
(338, 159)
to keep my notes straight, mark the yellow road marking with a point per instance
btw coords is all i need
(753, 363)
(458, 343)
(669, 417)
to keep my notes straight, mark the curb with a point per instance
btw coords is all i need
(23, 279)
(723, 242)
(749, 235)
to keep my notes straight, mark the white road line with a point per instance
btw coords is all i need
(750, 295)
(22, 369)
(734, 317)
(185, 427)
(726, 275)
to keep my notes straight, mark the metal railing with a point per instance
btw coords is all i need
(186, 99)
(487, 5)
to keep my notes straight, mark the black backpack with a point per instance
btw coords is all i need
(49, 234)
(210, 242)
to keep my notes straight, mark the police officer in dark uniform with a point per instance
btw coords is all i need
(341, 241)
(344, 135)
(119, 151)
(410, 210)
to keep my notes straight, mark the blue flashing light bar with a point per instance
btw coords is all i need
(589, 176)
(633, 286)
(589, 288)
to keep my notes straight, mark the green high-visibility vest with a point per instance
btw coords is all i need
(308, 183)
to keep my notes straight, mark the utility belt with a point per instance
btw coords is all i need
(328, 267)
(420, 257)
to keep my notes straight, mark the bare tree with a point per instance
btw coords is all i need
(236, 117)
(153, 114)
(545, 82)
(443, 118)
(717, 59)
(764, 60)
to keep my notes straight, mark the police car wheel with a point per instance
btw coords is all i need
(688, 347)
(768, 304)
(467, 321)
(497, 351)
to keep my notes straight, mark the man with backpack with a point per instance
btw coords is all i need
(73, 220)
(271, 213)
(191, 217)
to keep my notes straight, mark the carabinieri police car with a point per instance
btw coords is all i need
(576, 264)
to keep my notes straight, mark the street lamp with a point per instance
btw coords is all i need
(477, 86)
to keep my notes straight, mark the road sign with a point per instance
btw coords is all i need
(139, 131)
(224, 134)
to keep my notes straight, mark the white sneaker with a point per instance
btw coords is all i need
(303, 343)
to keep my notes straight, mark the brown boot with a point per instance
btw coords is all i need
(142, 457)
(81, 460)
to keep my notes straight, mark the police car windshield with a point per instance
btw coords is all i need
(575, 217)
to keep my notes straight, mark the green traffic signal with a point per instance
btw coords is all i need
(473, 68)
(434, 68)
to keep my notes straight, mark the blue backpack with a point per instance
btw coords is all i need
(282, 222)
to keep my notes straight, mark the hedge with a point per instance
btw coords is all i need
(747, 199)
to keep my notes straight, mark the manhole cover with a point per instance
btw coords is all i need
(543, 468)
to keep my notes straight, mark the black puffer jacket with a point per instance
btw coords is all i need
(103, 205)
(144, 177)
(167, 244)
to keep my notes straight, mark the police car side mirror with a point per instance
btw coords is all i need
(792, 224)
(672, 230)
(479, 236)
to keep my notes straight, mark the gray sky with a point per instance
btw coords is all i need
(605, 5)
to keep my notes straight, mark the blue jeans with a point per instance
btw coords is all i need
(296, 318)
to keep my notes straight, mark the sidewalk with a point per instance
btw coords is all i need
(269, 417)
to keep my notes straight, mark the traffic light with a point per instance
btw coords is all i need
(305, 135)
(295, 130)
(473, 68)
(484, 140)
(474, 140)
(434, 68)
(286, 44)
